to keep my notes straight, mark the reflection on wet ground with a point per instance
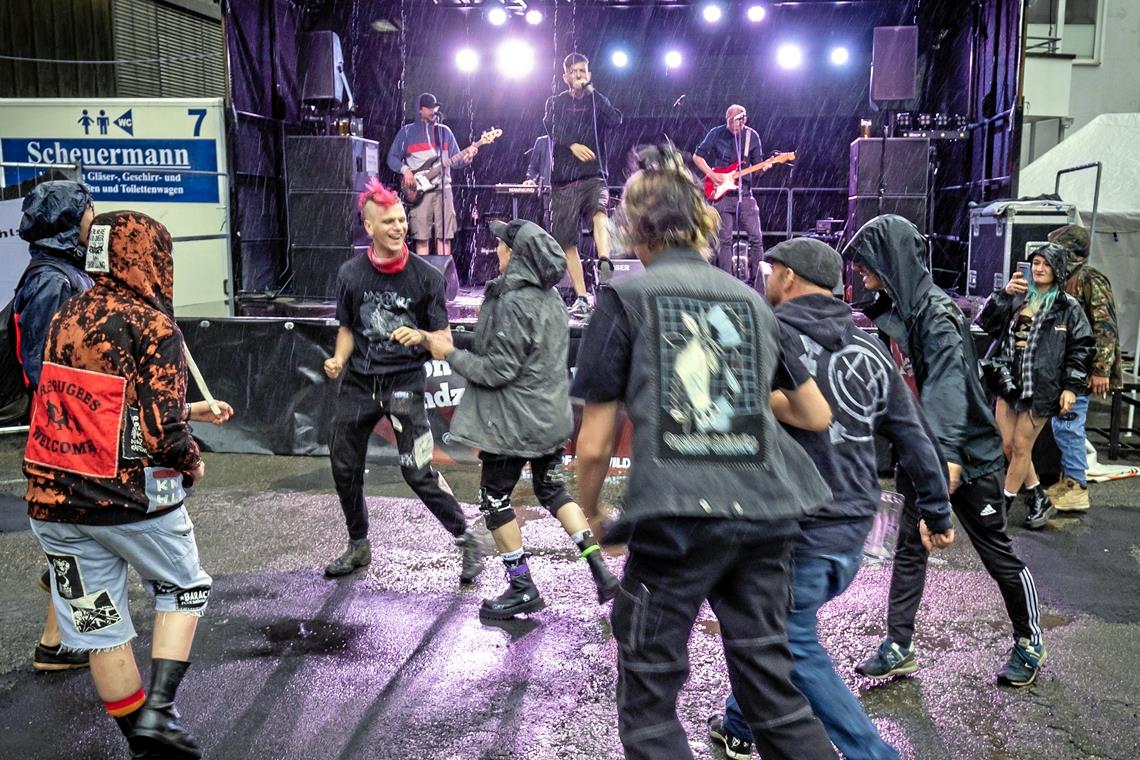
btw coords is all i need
(394, 662)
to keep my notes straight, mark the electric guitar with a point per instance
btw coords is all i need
(715, 192)
(428, 178)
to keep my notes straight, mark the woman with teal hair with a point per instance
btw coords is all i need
(1037, 367)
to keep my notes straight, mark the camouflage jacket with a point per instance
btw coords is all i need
(1094, 292)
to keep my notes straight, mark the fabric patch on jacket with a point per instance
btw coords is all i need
(76, 419)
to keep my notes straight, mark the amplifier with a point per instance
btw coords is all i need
(904, 170)
(330, 162)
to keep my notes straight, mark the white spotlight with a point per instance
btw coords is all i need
(672, 59)
(789, 56)
(514, 59)
(534, 17)
(839, 56)
(620, 59)
(467, 60)
(497, 15)
(756, 14)
(712, 13)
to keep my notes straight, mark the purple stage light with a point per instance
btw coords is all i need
(497, 15)
(673, 59)
(467, 60)
(712, 13)
(756, 14)
(840, 56)
(620, 59)
(789, 56)
(514, 59)
(534, 17)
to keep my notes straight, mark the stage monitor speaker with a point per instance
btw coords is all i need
(446, 266)
(313, 269)
(894, 64)
(904, 172)
(484, 266)
(325, 218)
(627, 268)
(321, 65)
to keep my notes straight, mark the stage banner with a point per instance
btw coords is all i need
(271, 371)
(165, 157)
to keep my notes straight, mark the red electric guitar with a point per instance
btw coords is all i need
(715, 192)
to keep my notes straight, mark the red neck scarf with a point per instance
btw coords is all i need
(388, 266)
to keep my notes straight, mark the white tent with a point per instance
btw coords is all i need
(1111, 139)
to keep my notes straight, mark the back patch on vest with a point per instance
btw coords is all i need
(76, 421)
(713, 385)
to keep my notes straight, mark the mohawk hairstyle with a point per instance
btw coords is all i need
(378, 193)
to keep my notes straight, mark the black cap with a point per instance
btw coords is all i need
(811, 259)
(427, 100)
(506, 232)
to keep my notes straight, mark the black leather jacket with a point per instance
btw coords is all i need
(932, 330)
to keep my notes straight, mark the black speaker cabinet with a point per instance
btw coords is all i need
(325, 218)
(863, 208)
(330, 162)
(321, 64)
(894, 64)
(904, 172)
(313, 269)
(446, 265)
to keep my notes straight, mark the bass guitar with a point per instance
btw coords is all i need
(427, 178)
(715, 192)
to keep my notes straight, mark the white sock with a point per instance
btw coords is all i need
(1009, 495)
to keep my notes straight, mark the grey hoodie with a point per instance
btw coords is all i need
(517, 400)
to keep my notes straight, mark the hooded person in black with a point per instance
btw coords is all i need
(890, 254)
(868, 397)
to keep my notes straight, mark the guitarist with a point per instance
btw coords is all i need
(416, 147)
(724, 145)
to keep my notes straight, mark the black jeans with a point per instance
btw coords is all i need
(750, 224)
(980, 509)
(500, 474)
(747, 585)
(361, 402)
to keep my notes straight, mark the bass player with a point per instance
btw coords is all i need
(415, 147)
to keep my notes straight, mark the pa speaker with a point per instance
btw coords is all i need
(321, 64)
(325, 217)
(446, 265)
(313, 269)
(894, 64)
(863, 208)
(903, 171)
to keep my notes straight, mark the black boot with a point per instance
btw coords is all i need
(605, 581)
(126, 724)
(1040, 508)
(521, 596)
(157, 728)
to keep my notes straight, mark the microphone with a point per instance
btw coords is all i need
(738, 117)
(677, 102)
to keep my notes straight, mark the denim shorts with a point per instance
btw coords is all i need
(89, 575)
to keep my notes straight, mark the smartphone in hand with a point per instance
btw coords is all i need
(1026, 270)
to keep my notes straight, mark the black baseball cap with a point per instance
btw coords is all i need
(427, 100)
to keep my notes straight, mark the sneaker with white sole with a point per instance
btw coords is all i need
(580, 309)
(734, 747)
(1025, 661)
(890, 660)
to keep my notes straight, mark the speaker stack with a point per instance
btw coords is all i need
(326, 174)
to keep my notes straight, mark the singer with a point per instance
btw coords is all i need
(734, 142)
(416, 148)
(576, 120)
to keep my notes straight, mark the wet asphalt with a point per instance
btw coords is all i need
(394, 662)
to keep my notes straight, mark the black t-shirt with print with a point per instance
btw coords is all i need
(373, 305)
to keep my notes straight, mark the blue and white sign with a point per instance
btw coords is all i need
(162, 156)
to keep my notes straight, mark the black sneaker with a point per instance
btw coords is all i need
(1025, 661)
(890, 660)
(476, 544)
(1040, 508)
(49, 659)
(358, 554)
(734, 746)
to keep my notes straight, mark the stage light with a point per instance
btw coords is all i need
(514, 59)
(467, 60)
(673, 59)
(789, 56)
(620, 59)
(497, 15)
(534, 17)
(839, 56)
(756, 14)
(712, 13)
